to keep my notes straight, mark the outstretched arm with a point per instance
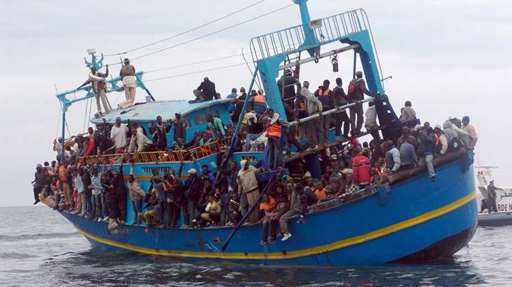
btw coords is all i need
(84, 84)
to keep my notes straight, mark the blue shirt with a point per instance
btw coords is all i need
(408, 154)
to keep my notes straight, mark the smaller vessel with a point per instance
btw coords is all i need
(503, 196)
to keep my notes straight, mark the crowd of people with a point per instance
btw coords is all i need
(222, 197)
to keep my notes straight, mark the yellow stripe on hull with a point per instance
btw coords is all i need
(297, 253)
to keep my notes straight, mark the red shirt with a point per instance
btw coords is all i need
(361, 170)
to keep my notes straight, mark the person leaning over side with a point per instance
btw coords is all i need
(471, 131)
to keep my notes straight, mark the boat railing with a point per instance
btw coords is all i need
(329, 112)
(291, 40)
(155, 156)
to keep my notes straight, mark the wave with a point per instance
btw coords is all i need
(15, 255)
(34, 236)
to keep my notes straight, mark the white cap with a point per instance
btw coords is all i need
(192, 171)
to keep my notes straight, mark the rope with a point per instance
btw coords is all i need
(195, 72)
(188, 31)
(86, 113)
(213, 33)
(192, 63)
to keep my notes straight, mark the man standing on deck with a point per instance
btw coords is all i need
(193, 187)
(273, 134)
(207, 88)
(324, 95)
(491, 201)
(356, 91)
(248, 186)
(118, 134)
(180, 127)
(341, 117)
(127, 75)
(312, 128)
(160, 130)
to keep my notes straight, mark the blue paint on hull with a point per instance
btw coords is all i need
(412, 198)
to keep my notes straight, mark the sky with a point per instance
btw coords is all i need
(450, 58)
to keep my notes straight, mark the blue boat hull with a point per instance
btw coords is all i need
(416, 221)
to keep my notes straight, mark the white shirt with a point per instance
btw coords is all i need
(371, 118)
(79, 185)
(118, 135)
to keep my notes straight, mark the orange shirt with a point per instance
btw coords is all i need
(268, 205)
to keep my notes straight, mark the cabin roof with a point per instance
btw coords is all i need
(149, 111)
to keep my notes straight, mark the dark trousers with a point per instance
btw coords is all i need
(274, 152)
(37, 190)
(269, 227)
(356, 118)
(342, 120)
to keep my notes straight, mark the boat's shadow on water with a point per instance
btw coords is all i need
(90, 268)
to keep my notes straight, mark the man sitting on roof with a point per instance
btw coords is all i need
(207, 88)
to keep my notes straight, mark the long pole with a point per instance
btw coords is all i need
(355, 65)
(63, 133)
(251, 210)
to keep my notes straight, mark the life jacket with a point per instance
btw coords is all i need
(320, 194)
(268, 205)
(260, 99)
(274, 130)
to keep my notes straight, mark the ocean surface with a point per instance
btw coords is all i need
(39, 248)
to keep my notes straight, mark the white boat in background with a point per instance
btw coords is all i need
(503, 215)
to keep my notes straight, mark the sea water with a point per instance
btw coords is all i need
(39, 248)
